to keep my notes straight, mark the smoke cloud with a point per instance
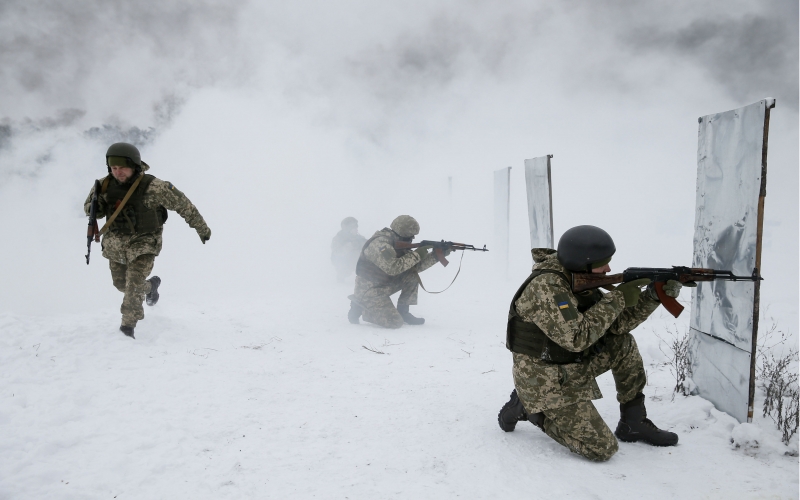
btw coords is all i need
(279, 119)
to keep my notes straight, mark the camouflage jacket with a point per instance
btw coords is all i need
(381, 252)
(542, 303)
(124, 248)
(346, 245)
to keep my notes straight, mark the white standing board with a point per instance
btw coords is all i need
(502, 214)
(731, 185)
(540, 201)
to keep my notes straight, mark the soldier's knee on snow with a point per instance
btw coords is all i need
(394, 323)
(604, 453)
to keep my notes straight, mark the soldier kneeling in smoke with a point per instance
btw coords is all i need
(132, 239)
(562, 340)
(382, 271)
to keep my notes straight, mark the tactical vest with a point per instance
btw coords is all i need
(135, 217)
(371, 272)
(527, 338)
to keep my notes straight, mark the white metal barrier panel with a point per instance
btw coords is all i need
(731, 186)
(502, 215)
(540, 201)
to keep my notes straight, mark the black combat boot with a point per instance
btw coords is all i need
(511, 413)
(635, 426)
(127, 330)
(354, 313)
(537, 419)
(152, 297)
(409, 318)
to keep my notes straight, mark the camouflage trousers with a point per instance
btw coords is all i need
(578, 425)
(131, 279)
(378, 307)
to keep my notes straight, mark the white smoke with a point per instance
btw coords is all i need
(279, 119)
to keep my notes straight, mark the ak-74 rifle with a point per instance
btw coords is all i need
(439, 247)
(92, 232)
(659, 276)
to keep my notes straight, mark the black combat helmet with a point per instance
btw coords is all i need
(584, 247)
(125, 150)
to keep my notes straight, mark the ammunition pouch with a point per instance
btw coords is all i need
(527, 338)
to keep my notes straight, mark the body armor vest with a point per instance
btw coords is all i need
(527, 338)
(135, 217)
(371, 272)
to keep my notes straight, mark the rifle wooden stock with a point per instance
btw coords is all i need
(93, 231)
(587, 281)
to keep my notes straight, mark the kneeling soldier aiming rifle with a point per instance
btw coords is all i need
(388, 265)
(563, 332)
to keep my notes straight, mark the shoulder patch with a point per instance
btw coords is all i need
(388, 254)
(565, 306)
(170, 186)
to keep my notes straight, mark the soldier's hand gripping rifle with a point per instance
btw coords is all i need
(439, 247)
(92, 232)
(659, 276)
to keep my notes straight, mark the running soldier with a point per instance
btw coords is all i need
(136, 206)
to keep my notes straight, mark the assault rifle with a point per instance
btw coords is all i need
(439, 248)
(92, 232)
(659, 276)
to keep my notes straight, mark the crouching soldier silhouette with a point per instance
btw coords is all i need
(346, 248)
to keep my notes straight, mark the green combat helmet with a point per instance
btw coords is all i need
(125, 150)
(584, 248)
(405, 226)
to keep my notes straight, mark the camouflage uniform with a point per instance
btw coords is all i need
(131, 256)
(601, 334)
(402, 267)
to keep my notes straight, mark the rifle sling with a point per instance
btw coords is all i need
(451, 283)
(122, 203)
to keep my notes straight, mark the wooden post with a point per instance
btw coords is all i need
(757, 291)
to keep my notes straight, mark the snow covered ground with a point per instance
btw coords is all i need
(279, 119)
(281, 397)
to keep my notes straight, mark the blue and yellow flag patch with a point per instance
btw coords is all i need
(565, 306)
